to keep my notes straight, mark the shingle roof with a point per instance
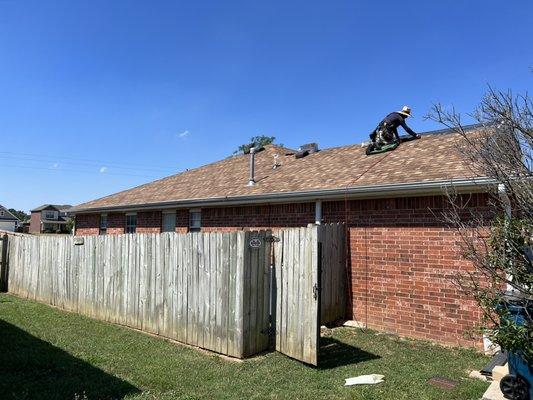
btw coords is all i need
(59, 207)
(434, 157)
(6, 215)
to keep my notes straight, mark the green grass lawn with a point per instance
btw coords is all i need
(46, 353)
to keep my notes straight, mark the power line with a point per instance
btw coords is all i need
(82, 163)
(76, 171)
(123, 165)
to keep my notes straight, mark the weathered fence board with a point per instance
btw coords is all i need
(211, 290)
(309, 276)
(186, 287)
(333, 272)
(4, 266)
(297, 275)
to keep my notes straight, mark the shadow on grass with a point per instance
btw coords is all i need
(333, 354)
(34, 369)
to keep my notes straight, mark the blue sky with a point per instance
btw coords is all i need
(99, 96)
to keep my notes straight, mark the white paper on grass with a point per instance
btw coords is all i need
(364, 380)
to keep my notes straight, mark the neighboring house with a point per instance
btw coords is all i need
(401, 254)
(49, 218)
(8, 222)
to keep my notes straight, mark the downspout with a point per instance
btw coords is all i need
(504, 199)
(488, 345)
(318, 212)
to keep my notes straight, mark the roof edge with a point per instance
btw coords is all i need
(10, 216)
(368, 191)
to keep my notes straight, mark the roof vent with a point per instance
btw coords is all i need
(251, 180)
(306, 149)
(277, 164)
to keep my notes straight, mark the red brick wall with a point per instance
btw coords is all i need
(402, 261)
(149, 222)
(116, 223)
(258, 217)
(87, 224)
(402, 257)
(182, 221)
(35, 222)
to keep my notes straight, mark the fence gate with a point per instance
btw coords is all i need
(297, 280)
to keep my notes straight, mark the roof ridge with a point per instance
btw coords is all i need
(9, 212)
(445, 131)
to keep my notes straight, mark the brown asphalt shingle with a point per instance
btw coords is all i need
(432, 158)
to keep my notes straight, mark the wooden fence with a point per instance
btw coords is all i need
(331, 240)
(309, 287)
(205, 289)
(3, 261)
(214, 290)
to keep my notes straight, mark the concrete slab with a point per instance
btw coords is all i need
(493, 392)
(478, 375)
(499, 371)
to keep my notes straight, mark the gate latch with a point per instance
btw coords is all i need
(315, 291)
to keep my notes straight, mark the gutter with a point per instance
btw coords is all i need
(358, 192)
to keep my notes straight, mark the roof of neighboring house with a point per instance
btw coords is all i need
(433, 158)
(7, 216)
(57, 207)
(59, 221)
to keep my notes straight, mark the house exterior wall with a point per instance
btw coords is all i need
(35, 222)
(149, 222)
(402, 260)
(9, 226)
(401, 257)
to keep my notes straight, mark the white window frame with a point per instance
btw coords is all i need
(195, 225)
(126, 223)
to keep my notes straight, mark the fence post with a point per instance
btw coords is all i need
(4, 264)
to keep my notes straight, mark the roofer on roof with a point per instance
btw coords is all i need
(387, 130)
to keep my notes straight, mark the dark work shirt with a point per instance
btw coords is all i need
(395, 120)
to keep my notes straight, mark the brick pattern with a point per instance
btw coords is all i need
(87, 224)
(258, 217)
(402, 257)
(35, 222)
(116, 223)
(149, 222)
(402, 261)
(182, 221)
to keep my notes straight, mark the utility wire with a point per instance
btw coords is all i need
(79, 163)
(44, 157)
(75, 170)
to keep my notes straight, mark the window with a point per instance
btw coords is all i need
(49, 215)
(169, 222)
(103, 224)
(2, 213)
(195, 220)
(131, 223)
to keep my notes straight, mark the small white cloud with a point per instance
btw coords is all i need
(183, 134)
(54, 166)
(103, 170)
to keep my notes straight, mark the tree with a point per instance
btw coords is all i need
(21, 215)
(256, 141)
(69, 226)
(500, 248)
